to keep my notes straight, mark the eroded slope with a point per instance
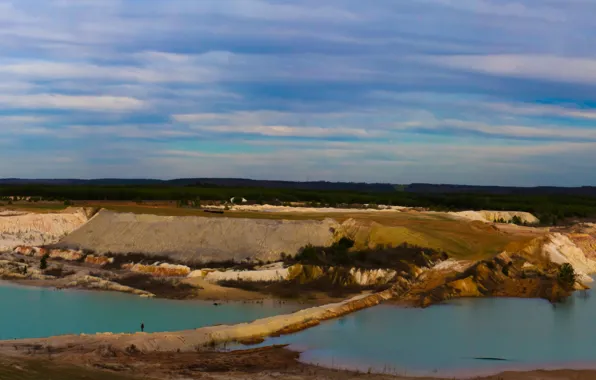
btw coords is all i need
(21, 228)
(199, 239)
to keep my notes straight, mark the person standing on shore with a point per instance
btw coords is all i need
(142, 327)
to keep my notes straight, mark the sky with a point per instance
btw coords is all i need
(480, 92)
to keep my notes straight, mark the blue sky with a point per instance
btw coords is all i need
(441, 91)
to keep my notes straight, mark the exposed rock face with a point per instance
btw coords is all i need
(270, 274)
(98, 260)
(26, 250)
(198, 239)
(531, 272)
(64, 254)
(160, 270)
(493, 278)
(37, 229)
(560, 249)
(584, 236)
(341, 276)
(301, 273)
(492, 216)
(366, 277)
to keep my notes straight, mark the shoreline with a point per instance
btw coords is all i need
(271, 362)
(458, 373)
(169, 343)
(193, 340)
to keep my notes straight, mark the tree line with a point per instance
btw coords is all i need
(550, 209)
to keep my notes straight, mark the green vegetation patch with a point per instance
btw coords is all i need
(550, 209)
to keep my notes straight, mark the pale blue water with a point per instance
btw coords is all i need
(28, 312)
(444, 340)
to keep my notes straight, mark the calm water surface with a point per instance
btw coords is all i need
(456, 339)
(28, 312)
(447, 340)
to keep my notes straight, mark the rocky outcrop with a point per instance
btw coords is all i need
(560, 249)
(273, 273)
(32, 229)
(302, 274)
(159, 270)
(62, 254)
(494, 216)
(531, 272)
(367, 277)
(66, 254)
(96, 283)
(584, 236)
(199, 239)
(98, 260)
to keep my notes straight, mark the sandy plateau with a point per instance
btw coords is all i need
(396, 255)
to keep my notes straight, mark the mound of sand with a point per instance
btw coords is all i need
(304, 209)
(199, 239)
(561, 249)
(18, 228)
(492, 216)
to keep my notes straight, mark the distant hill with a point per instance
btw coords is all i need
(210, 182)
(422, 188)
(417, 188)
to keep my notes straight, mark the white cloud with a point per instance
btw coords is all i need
(21, 119)
(503, 8)
(547, 67)
(556, 132)
(55, 101)
(151, 71)
(261, 10)
(541, 110)
(287, 131)
(147, 131)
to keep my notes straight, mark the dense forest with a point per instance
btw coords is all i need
(551, 209)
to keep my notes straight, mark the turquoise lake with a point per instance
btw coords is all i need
(461, 338)
(28, 312)
(454, 339)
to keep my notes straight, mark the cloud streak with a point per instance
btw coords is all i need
(466, 91)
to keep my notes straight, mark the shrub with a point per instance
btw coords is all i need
(566, 275)
(43, 263)
(308, 253)
(344, 243)
(517, 220)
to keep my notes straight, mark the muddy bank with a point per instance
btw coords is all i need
(263, 364)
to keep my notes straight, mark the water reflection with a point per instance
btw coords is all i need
(449, 338)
